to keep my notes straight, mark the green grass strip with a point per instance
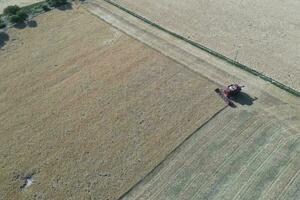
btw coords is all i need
(212, 52)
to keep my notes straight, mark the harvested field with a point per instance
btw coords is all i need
(87, 111)
(240, 154)
(261, 34)
(5, 3)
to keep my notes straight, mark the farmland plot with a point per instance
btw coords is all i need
(261, 34)
(87, 111)
(239, 154)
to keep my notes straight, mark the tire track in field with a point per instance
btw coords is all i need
(290, 177)
(171, 153)
(285, 189)
(278, 177)
(154, 196)
(225, 162)
(248, 184)
(165, 170)
(193, 156)
(256, 153)
(159, 185)
(218, 168)
(251, 160)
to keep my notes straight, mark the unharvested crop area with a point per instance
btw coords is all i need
(86, 111)
(262, 34)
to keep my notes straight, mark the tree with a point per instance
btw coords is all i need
(45, 8)
(22, 14)
(11, 10)
(15, 19)
(56, 3)
(2, 24)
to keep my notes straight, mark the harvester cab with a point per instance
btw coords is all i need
(232, 90)
(229, 92)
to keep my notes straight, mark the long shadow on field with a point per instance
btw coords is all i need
(32, 24)
(67, 6)
(4, 37)
(20, 25)
(244, 99)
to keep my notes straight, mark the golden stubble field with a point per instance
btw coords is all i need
(86, 111)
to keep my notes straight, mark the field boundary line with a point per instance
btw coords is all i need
(172, 152)
(210, 51)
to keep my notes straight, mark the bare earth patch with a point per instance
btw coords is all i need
(87, 111)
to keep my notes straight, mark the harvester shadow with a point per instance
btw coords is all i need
(4, 37)
(244, 99)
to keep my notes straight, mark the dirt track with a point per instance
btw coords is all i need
(88, 111)
(261, 34)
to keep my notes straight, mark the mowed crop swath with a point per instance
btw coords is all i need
(263, 35)
(88, 111)
(240, 154)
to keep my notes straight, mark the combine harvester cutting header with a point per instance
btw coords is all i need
(229, 92)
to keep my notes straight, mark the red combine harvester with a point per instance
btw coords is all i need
(229, 92)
